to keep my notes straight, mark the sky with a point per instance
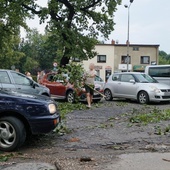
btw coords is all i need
(148, 23)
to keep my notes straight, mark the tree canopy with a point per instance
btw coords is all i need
(76, 24)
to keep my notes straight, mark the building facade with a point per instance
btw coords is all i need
(113, 58)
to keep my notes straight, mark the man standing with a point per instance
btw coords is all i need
(89, 84)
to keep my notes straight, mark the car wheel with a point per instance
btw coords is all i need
(143, 97)
(108, 95)
(12, 133)
(70, 97)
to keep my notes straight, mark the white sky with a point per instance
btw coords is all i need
(149, 23)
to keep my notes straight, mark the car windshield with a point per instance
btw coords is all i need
(144, 78)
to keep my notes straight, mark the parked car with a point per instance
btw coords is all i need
(99, 80)
(137, 86)
(16, 81)
(159, 72)
(22, 114)
(59, 90)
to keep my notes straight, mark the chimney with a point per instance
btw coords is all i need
(112, 42)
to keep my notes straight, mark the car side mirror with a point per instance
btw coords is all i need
(32, 84)
(132, 81)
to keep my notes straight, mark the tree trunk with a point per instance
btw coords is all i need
(64, 61)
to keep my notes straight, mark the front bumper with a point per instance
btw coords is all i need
(162, 96)
(44, 124)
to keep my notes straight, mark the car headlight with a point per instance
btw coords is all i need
(52, 108)
(155, 89)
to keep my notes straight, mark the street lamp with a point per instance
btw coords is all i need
(128, 7)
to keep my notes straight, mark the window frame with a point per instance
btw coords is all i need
(142, 59)
(125, 59)
(99, 59)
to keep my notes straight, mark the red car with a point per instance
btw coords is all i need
(60, 91)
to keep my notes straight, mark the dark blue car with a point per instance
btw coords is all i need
(21, 114)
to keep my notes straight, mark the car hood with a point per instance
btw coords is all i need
(24, 95)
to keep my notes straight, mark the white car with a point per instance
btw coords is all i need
(136, 86)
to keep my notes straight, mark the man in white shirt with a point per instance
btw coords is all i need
(89, 84)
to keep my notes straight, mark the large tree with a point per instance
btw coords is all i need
(12, 16)
(40, 51)
(78, 23)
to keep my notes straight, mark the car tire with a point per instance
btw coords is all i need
(12, 133)
(70, 97)
(143, 97)
(108, 95)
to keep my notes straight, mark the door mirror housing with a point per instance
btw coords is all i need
(132, 81)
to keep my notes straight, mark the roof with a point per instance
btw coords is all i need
(125, 45)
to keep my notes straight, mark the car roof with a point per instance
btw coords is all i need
(130, 73)
(6, 70)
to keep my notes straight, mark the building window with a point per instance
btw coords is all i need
(75, 59)
(135, 48)
(124, 59)
(145, 60)
(101, 58)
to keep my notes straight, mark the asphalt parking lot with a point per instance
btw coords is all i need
(99, 139)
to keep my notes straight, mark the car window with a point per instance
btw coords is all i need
(50, 77)
(144, 78)
(115, 77)
(4, 78)
(21, 79)
(97, 78)
(126, 77)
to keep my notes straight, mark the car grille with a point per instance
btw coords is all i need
(165, 90)
(166, 97)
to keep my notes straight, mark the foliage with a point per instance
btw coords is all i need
(73, 74)
(9, 53)
(12, 16)
(164, 58)
(77, 24)
(153, 116)
(5, 157)
(40, 52)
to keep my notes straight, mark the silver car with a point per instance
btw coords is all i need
(136, 86)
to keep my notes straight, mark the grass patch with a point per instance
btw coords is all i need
(5, 157)
(153, 116)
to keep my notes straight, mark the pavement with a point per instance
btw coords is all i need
(133, 161)
(141, 161)
(30, 166)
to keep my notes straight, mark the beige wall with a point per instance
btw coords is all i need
(147, 50)
(114, 52)
(102, 49)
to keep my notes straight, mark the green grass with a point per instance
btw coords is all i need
(153, 116)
